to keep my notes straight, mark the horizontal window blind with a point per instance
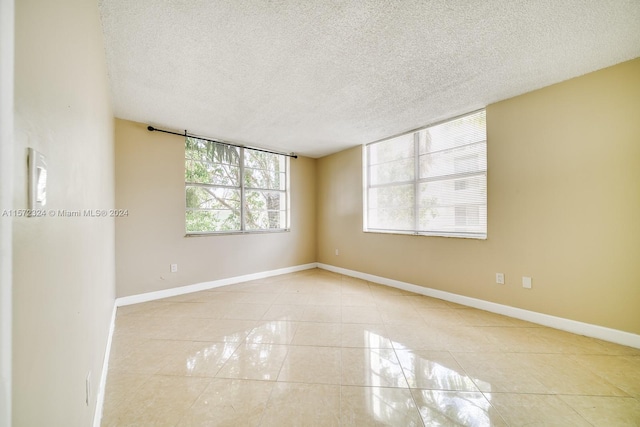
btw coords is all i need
(432, 181)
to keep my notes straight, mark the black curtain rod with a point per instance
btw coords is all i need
(185, 134)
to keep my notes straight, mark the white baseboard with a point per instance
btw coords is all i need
(587, 329)
(166, 293)
(97, 416)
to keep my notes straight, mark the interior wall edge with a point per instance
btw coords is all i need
(594, 331)
(97, 416)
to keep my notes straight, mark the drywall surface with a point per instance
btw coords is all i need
(563, 206)
(150, 186)
(63, 266)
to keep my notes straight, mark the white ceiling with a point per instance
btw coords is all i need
(317, 76)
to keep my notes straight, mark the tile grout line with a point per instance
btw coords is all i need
(404, 375)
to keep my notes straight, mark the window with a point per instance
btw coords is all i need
(431, 182)
(234, 189)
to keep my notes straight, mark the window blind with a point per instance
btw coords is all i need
(432, 181)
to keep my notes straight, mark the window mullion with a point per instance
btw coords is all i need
(416, 177)
(287, 197)
(367, 186)
(368, 170)
(243, 222)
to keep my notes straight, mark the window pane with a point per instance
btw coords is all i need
(391, 160)
(262, 160)
(263, 209)
(397, 148)
(265, 200)
(264, 170)
(395, 171)
(469, 158)
(449, 205)
(196, 149)
(264, 179)
(391, 208)
(470, 219)
(211, 163)
(210, 173)
(212, 152)
(212, 220)
(212, 209)
(266, 220)
(454, 133)
(213, 198)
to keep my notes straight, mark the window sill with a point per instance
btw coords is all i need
(235, 233)
(426, 234)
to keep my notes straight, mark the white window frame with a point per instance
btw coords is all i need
(243, 189)
(415, 182)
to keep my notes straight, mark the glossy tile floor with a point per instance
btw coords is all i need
(319, 349)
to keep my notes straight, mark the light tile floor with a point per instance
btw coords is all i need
(316, 348)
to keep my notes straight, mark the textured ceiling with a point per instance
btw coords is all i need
(317, 76)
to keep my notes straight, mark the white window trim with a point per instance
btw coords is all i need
(243, 189)
(367, 178)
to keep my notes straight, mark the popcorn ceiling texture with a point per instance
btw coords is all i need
(316, 77)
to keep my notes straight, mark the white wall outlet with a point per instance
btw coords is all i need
(87, 386)
(500, 278)
(174, 268)
(526, 282)
(337, 252)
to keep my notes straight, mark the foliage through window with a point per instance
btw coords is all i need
(432, 181)
(234, 189)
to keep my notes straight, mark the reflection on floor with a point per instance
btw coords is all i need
(317, 348)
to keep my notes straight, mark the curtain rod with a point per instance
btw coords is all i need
(185, 134)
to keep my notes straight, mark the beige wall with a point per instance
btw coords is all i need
(563, 206)
(64, 281)
(150, 184)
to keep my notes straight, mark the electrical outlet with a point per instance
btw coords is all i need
(500, 278)
(174, 268)
(87, 386)
(526, 282)
(337, 252)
